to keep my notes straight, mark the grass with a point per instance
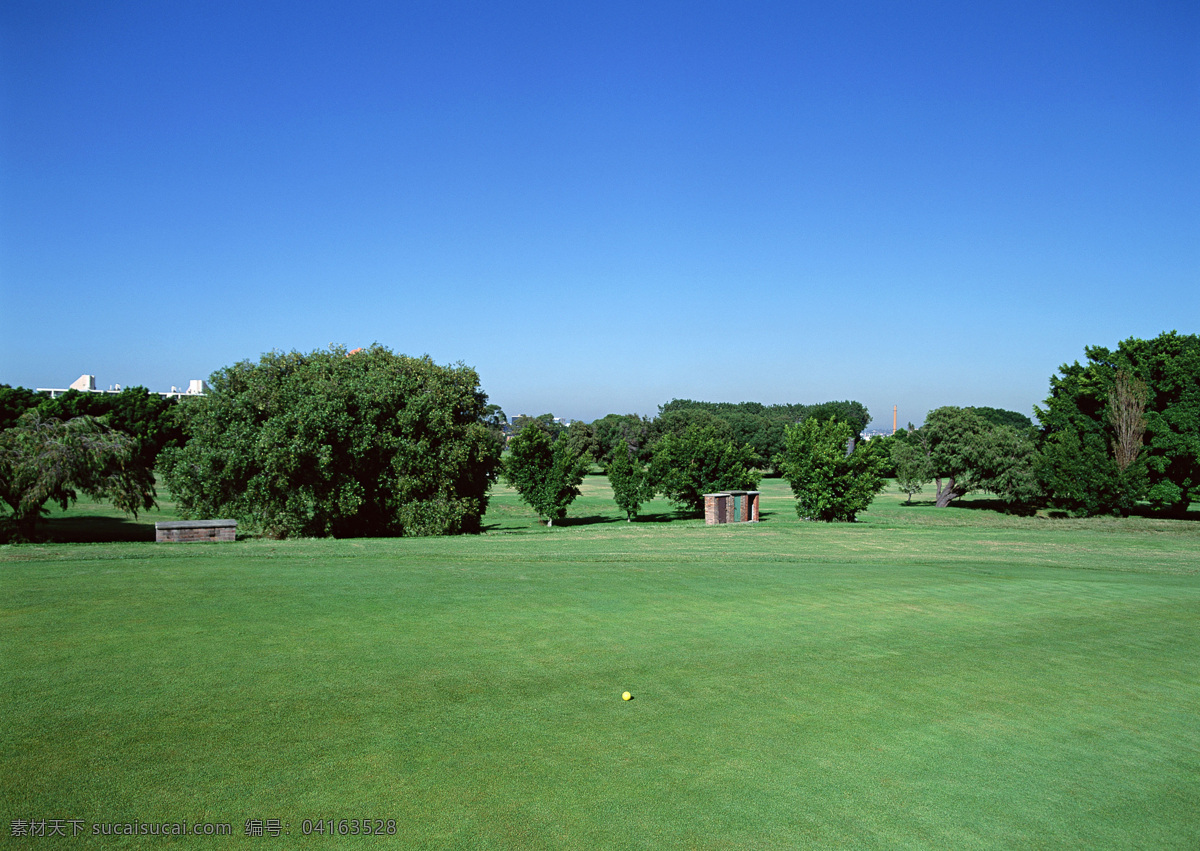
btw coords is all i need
(925, 678)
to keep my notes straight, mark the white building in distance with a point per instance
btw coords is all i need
(87, 384)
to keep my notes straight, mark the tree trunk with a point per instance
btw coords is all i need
(26, 526)
(947, 493)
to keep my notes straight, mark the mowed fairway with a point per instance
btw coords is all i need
(924, 678)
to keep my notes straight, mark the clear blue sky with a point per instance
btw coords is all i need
(601, 206)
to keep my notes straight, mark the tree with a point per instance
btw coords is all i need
(833, 475)
(697, 460)
(951, 438)
(546, 472)
(853, 413)
(146, 417)
(497, 424)
(967, 453)
(1126, 415)
(48, 460)
(913, 467)
(334, 443)
(1007, 468)
(630, 481)
(1077, 472)
(1081, 413)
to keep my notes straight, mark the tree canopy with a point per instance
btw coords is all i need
(625, 431)
(1001, 417)
(146, 417)
(15, 401)
(759, 426)
(912, 466)
(337, 443)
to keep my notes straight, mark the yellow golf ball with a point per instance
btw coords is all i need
(626, 696)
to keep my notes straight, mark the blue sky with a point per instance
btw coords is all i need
(601, 206)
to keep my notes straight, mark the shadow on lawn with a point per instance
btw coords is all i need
(588, 520)
(92, 530)
(1000, 506)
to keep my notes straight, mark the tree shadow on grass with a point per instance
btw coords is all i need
(93, 530)
(981, 505)
(1192, 513)
(999, 505)
(588, 520)
(662, 518)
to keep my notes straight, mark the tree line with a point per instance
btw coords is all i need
(693, 448)
(1119, 430)
(375, 443)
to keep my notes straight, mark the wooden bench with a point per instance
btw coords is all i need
(183, 531)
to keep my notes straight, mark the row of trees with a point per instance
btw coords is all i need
(374, 443)
(760, 427)
(693, 458)
(687, 452)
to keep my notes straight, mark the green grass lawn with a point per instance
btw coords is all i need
(924, 678)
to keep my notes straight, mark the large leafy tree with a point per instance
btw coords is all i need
(1090, 462)
(546, 422)
(545, 471)
(369, 443)
(966, 452)
(1001, 417)
(581, 440)
(833, 475)
(43, 459)
(698, 459)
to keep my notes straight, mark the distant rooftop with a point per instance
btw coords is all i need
(87, 384)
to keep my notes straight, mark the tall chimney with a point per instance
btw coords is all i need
(895, 408)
